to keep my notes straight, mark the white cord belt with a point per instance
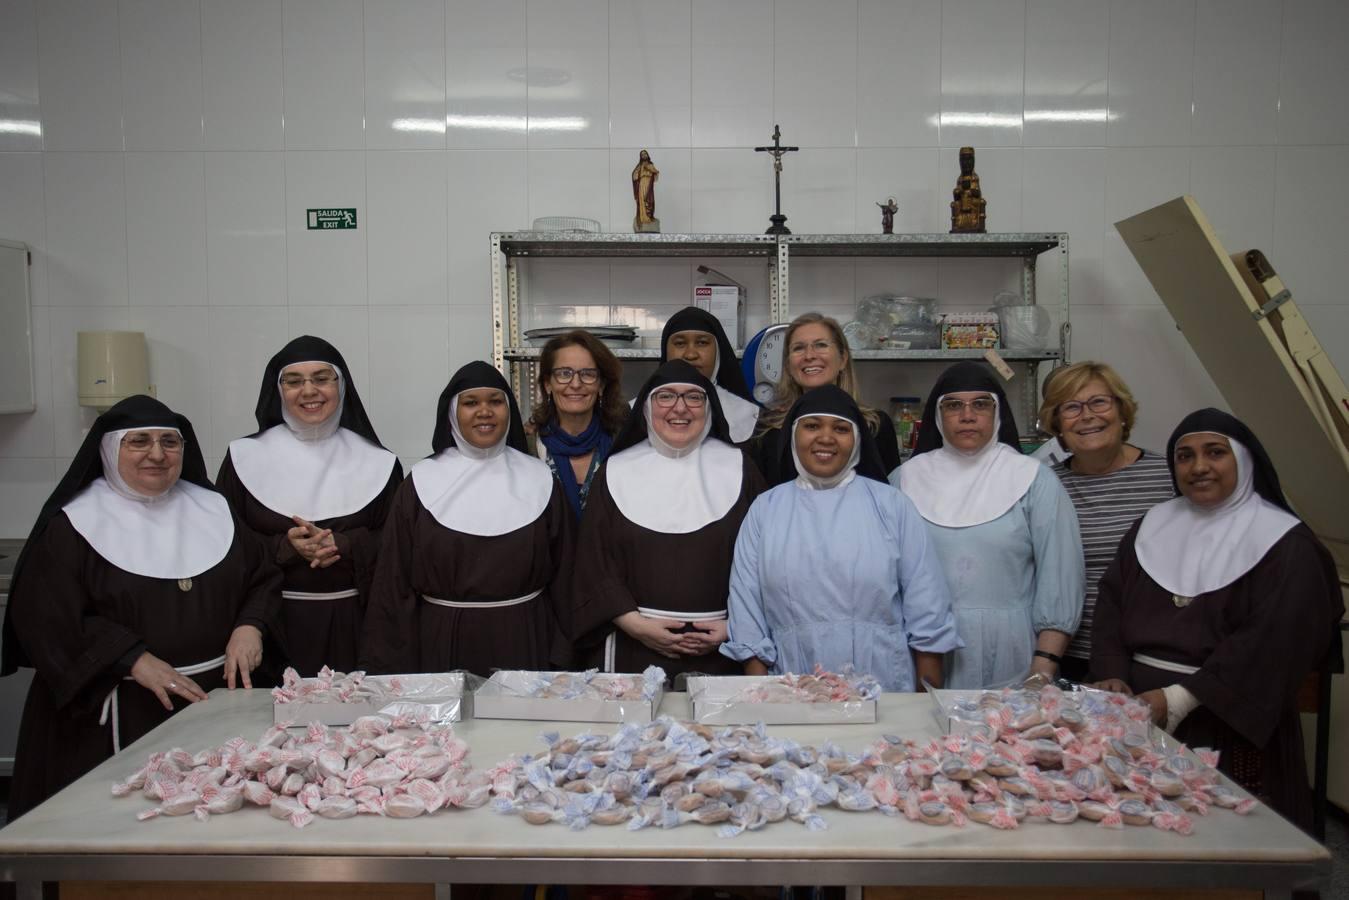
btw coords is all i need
(110, 707)
(1165, 664)
(319, 595)
(681, 616)
(491, 604)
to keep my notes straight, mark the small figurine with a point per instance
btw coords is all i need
(644, 178)
(888, 210)
(968, 206)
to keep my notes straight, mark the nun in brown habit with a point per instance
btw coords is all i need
(474, 546)
(1217, 606)
(136, 594)
(653, 561)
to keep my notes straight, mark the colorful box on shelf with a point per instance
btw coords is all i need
(969, 331)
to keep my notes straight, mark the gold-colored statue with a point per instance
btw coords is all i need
(968, 206)
(644, 178)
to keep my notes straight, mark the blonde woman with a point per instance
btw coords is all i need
(815, 353)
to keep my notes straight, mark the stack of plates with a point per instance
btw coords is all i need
(622, 335)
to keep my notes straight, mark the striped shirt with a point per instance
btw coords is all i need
(1107, 505)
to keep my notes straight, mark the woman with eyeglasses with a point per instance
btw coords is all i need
(476, 546)
(653, 559)
(579, 410)
(696, 336)
(1004, 529)
(1089, 409)
(316, 484)
(815, 352)
(136, 593)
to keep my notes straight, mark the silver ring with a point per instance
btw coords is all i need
(173, 686)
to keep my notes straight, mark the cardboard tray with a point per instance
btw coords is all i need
(441, 695)
(714, 704)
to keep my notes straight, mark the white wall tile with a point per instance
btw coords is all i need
(1312, 75)
(907, 277)
(674, 195)
(242, 62)
(1151, 77)
(409, 367)
(70, 420)
(470, 338)
(819, 191)
(407, 227)
(1306, 253)
(969, 285)
(246, 228)
(567, 73)
(166, 228)
(485, 74)
(25, 484)
(32, 434)
(325, 267)
(23, 214)
(650, 76)
(644, 295)
(815, 91)
(570, 183)
(488, 191)
(908, 176)
(243, 338)
(178, 340)
(86, 228)
(1235, 102)
(732, 191)
(565, 292)
(161, 74)
(345, 327)
(20, 123)
(80, 70)
(324, 74)
(1066, 46)
(1064, 190)
(732, 73)
(1136, 180)
(405, 74)
(1235, 188)
(983, 50)
(824, 285)
(898, 72)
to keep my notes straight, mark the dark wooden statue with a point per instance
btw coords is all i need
(968, 206)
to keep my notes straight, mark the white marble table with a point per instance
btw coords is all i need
(84, 833)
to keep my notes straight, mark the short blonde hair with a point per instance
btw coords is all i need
(1064, 382)
(786, 392)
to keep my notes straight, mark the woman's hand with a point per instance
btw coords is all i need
(1114, 685)
(242, 654)
(315, 545)
(660, 635)
(162, 679)
(1156, 701)
(707, 637)
(1046, 668)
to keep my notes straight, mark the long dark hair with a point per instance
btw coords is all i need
(612, 408)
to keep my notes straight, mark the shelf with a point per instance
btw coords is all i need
(537, 243)
(1023, 246)
(938, 355)
(530, 354)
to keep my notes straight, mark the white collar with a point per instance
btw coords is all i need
(1190, 550)
(486, 496)
(741, 415)
(316, 479)
(839, 479)
(178, 534)
(958, 489)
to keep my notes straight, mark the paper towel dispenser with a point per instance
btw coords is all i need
(113, 365)
(16, 329)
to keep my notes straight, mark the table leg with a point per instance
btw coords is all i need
(442, 891)
(28, 890)
(852, 892)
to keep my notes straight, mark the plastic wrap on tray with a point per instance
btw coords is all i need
(1024, 705)
(337, 698)
(589, 696)
(784, 699)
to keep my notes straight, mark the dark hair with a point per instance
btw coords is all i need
(612, 408)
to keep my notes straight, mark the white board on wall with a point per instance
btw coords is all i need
(16, 330)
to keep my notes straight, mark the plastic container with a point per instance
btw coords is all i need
(914, 337)
(905, 412)
(1021, 325)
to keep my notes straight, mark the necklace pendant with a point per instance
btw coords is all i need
(184, 584)
(1181, 602)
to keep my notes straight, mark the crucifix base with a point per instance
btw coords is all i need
(779, 225)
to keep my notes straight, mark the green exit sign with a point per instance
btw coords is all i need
(325, 219)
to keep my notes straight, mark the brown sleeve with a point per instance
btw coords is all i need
(360, 546)
(227, 482)
(598, 592)
(1110, 657)
(562, 550)
(261, 603)
(389, 635)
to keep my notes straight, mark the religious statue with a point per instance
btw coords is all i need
(888, 210)
(777, 151)
(968, 206)
(644, 178)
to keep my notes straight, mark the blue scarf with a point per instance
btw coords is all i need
(563, 447)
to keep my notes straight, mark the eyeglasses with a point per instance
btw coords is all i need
(667, 399)
(980, 406)
(1071, 409)
(820, 346)
(141, 443)
(296, 381)
(565, 375)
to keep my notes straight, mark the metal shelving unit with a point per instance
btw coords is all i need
(509, 249)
